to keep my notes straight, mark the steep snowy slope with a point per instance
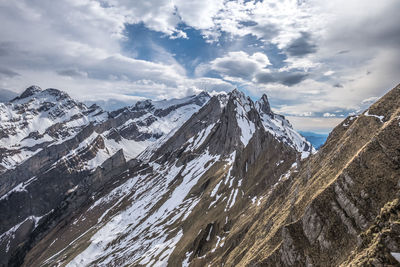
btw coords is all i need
(174, 203)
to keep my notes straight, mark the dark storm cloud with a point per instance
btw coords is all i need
(285, 78)
(302, 46)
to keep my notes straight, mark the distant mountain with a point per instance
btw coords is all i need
(38, 118)
(111, 104)
(316, 139)
(6, 95)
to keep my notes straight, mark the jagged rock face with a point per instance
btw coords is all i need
(263, 105)
(177, 201)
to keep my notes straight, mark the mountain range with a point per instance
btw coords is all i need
(200, 181)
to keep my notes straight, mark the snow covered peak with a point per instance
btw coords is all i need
(55, 93)
(36, 94)
(240, 97)
(236, 92)
(239, 109)
(39, 118)
(31, 90)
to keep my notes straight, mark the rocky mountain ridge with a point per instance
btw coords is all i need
(161, 193)
(87, 161)
(83, 140)
(221, 181)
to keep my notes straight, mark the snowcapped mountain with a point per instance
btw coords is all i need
(38, 118)
(147, 121)
(41, 118)
(205, 181)
(51, 143)
(199, 154)
(127, 186)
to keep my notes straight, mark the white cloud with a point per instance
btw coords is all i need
(329, 73)
(306, 64)
(198, 14)
(76, 44)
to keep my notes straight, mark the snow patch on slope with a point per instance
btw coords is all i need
(380, 118)
(143, 244)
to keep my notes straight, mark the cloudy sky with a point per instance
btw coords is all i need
(317, 60)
